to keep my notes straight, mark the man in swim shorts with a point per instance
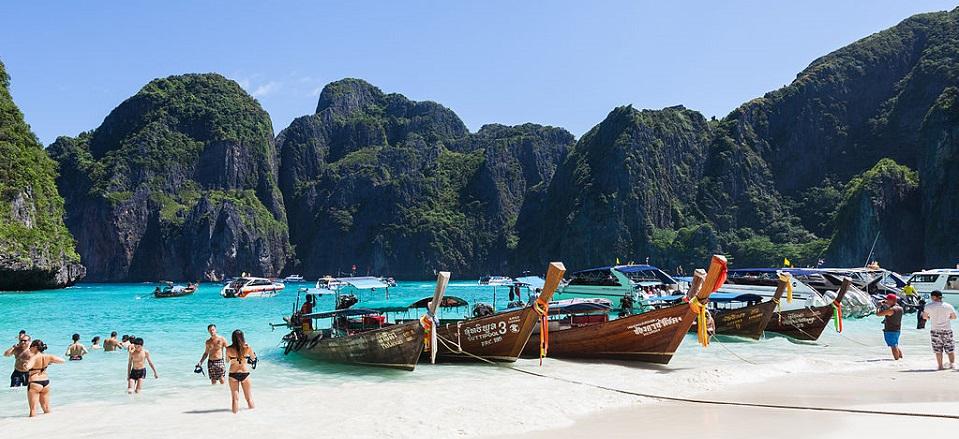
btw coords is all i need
(892, 325)
(941, 314)
(215, 366)
(136, 369)
(21, 356)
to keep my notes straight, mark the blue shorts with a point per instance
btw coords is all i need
(892, 338)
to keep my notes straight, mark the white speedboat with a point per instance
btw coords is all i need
(245, 287)
(941, 279)
(495, 280)
(293, 278)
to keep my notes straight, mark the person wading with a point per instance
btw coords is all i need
(21, 356)
(940, 314)
(215, 366)
(892, 325)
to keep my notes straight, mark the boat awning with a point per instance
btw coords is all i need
(406, 303)
(349, 312)
(734, 297)
(671, 298)
(317, 291)
(364, 282)
(531, 281)
(575, 306)
(792, 271)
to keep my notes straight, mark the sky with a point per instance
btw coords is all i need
(560, 63)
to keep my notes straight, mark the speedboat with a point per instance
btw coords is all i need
(495, 280)
(293, 278)
(941, 279)
(251, 287)
(625, 286)
(171, 290)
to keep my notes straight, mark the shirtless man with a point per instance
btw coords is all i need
(111, 344)
(21, 356)
(215, 366)
(136, 370)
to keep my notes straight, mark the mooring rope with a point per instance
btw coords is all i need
(713, 402)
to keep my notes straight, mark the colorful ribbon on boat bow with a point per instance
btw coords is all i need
(542, 308)
(702, 331)
(429, 323)
(837, 314)
(787, 278)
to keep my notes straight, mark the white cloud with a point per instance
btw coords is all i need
(265, 89)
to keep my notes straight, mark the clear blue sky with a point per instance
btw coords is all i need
(563, 63)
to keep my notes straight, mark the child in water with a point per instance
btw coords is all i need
(136, 370)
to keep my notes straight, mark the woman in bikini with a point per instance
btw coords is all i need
(240, 355)
(38, 391)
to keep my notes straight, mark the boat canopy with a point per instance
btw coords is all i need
(317, 291)
(348, 312)
(407, 303)
(534, 282)
(577, 306)
(739, 272)
(364, 282)
(734, 297)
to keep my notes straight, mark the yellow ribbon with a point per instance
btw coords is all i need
(785, 277)
(701, 330)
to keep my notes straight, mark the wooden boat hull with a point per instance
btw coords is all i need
(801, 324)
(498, 337)
(396, 346)
(749, 321)
(650, 337)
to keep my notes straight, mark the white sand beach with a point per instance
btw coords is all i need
(489, 401)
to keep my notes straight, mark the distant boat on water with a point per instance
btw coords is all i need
(245, 287)
(171, 290)
(293, 278)
(495, 280)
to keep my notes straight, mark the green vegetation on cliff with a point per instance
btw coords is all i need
(185, 173)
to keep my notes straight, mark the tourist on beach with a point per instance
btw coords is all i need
(939, 314)
(38, 391)
(136, 369)
(892, 325)
(214, 347)
(240, 355)
(76, 350)
(21, 356)
(111, 344)
(95, 343)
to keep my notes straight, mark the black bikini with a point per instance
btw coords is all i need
(239, 376)
(42, 383)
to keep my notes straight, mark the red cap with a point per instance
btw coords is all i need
(892, 297)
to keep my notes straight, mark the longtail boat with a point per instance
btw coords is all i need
(500, 336)
(369, 340)
(652, 336)
(808, 323)
(747, 321)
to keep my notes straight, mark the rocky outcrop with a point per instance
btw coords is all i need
(36, 249)
(401, 187)
(179, 182)
(631, 175)
(939, 181)
(880, 213)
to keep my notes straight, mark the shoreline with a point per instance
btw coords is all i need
(904, 388)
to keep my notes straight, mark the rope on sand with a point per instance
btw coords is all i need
(707, 401)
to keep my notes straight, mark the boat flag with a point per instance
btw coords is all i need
(786, 262)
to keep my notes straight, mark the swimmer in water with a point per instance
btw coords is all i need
(76, 350)
(95, 343)
(111, 344)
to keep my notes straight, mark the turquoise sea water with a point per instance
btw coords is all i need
(174, 330)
